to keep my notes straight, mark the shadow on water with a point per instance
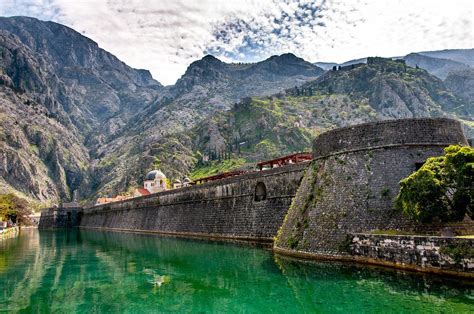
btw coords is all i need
(84, 271)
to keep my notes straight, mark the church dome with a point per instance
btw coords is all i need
(155, 174)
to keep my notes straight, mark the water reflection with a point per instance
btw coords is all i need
(84, 271)
(342, 286)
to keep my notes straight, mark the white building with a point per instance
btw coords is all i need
(155, 181)
(177, 184)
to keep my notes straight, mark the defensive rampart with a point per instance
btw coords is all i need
(353, 180)
(251, 206)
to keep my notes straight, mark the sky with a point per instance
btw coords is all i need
(165, 36)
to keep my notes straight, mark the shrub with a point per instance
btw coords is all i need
(15, 209)
(442, 188)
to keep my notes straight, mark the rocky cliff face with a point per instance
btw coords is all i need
(42, 154)
(64, 96)
(94, 85)
(462, 84)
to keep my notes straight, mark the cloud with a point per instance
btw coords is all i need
(165, 36)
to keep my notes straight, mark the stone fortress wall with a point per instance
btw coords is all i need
(251, 207)
(353, 179)
(321, 208)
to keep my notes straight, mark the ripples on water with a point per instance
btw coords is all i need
(93, 271)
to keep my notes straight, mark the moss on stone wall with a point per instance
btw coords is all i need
(458, 251)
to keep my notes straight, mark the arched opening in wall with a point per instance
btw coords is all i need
(260, 192)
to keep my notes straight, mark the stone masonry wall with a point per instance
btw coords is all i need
(403, 132)
(352, 182)
(60, 218)
(432, 253)
(223, 208)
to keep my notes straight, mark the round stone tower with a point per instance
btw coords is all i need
(353, 180)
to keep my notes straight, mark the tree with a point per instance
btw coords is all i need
(15, 209)
(442, 188)
(157, 163)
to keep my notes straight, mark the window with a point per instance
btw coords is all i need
(260, 192)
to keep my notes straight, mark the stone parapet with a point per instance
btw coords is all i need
(389, 133)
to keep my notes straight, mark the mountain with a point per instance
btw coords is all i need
(325, 65)
(266, 127)
(439, 63)
(465, 56)
(65, 95)
(208, 86)
(437, 66)
(82, 119)
(329, 65)
(462, 84)
(41, 149)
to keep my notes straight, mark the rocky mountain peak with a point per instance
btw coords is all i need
(65, 49)
(289, 64)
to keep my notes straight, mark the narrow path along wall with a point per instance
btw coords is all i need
(353, 180)
(251, 206)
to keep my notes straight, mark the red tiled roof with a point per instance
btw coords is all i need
(285, 160)
(143, 191)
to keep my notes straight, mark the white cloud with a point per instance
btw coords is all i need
(165, 36)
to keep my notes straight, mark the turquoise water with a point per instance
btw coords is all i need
(92, 271)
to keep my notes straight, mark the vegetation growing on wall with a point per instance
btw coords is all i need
(458, 251)
(299, 212)
(442, 188)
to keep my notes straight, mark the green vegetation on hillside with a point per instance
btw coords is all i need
(442, 188)
(216, 167)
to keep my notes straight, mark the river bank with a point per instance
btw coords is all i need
(9, 233)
